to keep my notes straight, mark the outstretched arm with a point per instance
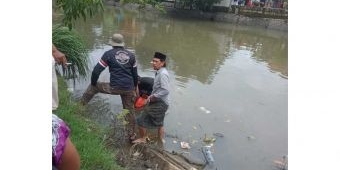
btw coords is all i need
(96, 72)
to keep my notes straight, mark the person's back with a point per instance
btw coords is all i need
(120, 63)
(59, 58)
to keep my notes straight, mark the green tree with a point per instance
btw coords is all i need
(75, 9)
(67, 40)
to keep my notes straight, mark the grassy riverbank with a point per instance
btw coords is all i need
(86, 135)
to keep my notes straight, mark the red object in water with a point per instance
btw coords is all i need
(140, 102)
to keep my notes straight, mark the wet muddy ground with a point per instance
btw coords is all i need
(146, 156)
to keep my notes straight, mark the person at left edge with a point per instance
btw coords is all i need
(58, 58)
(123, 79)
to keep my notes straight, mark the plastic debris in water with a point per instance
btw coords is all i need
(208, 155)
(202, 108)
(218, 134)
(250, 137)
(208, 140)
(205, 110)
(282, 164)
(194, 127)
(185, 145)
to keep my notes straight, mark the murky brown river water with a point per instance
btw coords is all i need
(224, 78)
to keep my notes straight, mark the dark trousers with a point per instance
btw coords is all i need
(127, 97)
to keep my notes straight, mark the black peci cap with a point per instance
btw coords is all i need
(160, 56)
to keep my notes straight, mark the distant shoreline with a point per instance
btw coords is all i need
(266, 23)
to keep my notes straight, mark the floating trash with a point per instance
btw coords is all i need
(209, 140)
(174, 141)
(185, 145)
(194, 127)
(227, 121)
(218, 135)
(171, 135)
(205, 110)
(250, 137)
(208, 155)
(281, 164)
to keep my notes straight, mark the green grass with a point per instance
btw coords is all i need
(86, 135)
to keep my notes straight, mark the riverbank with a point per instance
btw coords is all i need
(107, 148)
(88, 137)
(231, 18)
(267, 23)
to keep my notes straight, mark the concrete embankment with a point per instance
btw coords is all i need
(267, 23)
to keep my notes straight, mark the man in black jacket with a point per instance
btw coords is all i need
(123, 78)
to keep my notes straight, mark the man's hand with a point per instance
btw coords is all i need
(58, 56)
(137, 92)
(151, 98)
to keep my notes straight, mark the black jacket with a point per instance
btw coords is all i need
(122, 67)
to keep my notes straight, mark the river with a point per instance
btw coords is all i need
(224, 78)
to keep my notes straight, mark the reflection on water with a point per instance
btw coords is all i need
(239, 74)
(196, 49)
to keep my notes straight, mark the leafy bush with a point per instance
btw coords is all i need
(72, 45)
